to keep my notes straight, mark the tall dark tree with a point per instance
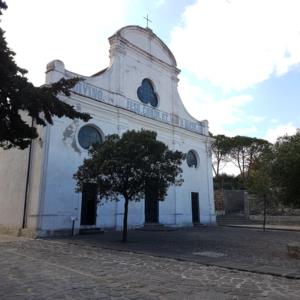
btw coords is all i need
(129, 165)
(285, 171)
(20, 101)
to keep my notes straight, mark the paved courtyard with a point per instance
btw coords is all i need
(169, 265)
(238, 248)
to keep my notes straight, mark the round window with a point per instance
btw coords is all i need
(146, 93)
(88, 135)
(191, 159)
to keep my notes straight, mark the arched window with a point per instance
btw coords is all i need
(146, 93)
(88, 135)
(191, 159)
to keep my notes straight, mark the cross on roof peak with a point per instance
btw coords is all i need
(148, 20)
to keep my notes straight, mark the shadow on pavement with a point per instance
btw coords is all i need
(235, 248)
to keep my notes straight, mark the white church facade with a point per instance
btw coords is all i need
(137, 91)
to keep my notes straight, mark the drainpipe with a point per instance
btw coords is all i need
(27, 183)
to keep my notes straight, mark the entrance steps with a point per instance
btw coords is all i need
(90, 230)
(228, 220)
(156, 227)
(198, 225)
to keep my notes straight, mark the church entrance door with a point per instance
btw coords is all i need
(151, 206)
(89, 204)
(195, 208)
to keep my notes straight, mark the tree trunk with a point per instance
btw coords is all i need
(265, 212)
(124, 238)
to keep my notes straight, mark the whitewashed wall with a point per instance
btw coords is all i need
(136, 53)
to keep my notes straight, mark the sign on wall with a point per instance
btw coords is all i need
(101, 95)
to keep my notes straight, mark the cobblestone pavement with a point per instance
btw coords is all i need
(237, 248)
(51, 269)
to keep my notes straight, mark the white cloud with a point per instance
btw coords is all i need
(159, 3)
(221, 113)
(256, 119)
(280, 130)
(72, 31)
(236, 44)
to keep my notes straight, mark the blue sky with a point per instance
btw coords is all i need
(239, 58)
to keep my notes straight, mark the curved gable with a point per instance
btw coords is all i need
(146, 40)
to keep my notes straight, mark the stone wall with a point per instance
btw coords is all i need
(231, 201)
(274, 208)
(219, 202)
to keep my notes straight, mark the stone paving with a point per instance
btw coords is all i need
(45, 269)
(234, 248)
(83, 268)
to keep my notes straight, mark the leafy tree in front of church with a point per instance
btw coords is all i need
(20, 101)
(124, 167)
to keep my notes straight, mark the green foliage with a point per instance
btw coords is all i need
(260, 180)
(270, 171)
(2, 6)
(20, 99)
(276, 174)
(228, 182)
(220, 150)
(245, 151)
(128, 165)
(242, 151)
(285, 169)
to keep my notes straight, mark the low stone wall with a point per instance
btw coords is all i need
(278, 220)
(274, 207)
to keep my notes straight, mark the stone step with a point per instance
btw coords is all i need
(234, 220)
(156, 227)
(234, 223)
(198, 225)
(90, 230)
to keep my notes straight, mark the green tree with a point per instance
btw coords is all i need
(260, 181)
(285, 170)
(244, 152)
(228, 182)
(128, 165)
(19, 99)
(220, 150)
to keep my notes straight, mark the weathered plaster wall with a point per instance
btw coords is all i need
(13, 172)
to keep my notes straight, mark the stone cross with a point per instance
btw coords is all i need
(148, 20)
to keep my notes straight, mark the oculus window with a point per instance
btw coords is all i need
(191, 159)
(147, 94)
(88, 135)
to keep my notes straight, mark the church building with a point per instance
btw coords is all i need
(138, 90)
